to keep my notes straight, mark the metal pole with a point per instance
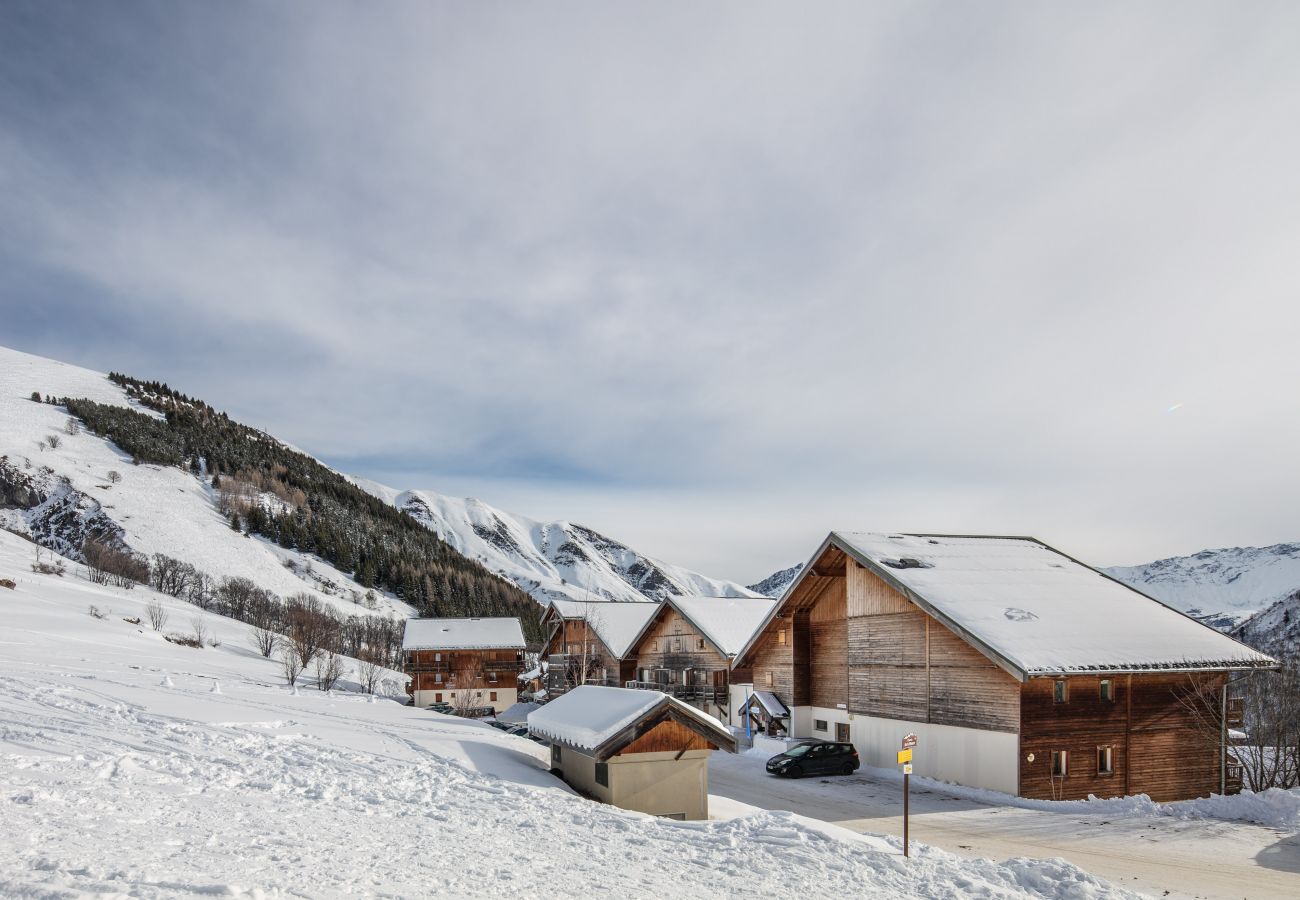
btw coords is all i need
(906, 792)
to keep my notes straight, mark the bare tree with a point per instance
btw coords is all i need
(310, 627)
(585, 662)
(369, 672)
(202, 590)
(1269, 752)
(71, 427)
(264, 640)
(467, 691)
(290, 665)
(114, 476)
(53, 441)
(199, 625)
(157, 615)
(106, 565)
(172, 576)
(329, 669)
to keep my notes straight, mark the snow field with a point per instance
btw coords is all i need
(123, 773)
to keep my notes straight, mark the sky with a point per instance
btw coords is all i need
(714, 279)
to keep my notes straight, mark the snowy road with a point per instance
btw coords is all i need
(1157, 856)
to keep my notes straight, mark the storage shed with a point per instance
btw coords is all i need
(634, 749)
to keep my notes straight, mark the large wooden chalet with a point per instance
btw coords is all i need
(469, 664)
(587, 642)
(1019, 669)
(686, 650)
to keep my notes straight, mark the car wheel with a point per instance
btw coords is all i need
(847, 769)
(794, 772)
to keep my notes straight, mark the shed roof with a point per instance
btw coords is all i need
(463, 634)
(617, 624)
(771, 704)
(599, 721)
(1034, 610)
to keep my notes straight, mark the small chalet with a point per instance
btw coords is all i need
(1019, 669)
(587, 642)
(469, 664)
(639, 750)
(686, 649)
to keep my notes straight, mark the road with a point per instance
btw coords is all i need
(1159, 856)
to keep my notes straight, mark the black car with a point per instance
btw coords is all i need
(815, 758)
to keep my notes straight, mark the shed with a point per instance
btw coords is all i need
(634, 749)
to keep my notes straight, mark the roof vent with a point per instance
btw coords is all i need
(906, 562)
(1016, 614)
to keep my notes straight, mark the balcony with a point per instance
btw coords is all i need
(1234, 715)
(688, 692)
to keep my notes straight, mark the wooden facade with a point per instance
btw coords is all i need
(576, 654)
(844, 639)
(674, 656)
(488, 670)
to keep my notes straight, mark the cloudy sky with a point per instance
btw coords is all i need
(711, 278)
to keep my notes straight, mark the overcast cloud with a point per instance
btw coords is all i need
(714, 279)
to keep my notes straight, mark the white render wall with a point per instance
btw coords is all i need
(974, 757)
(506, 697)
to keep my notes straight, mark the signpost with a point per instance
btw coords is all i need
(905, 760)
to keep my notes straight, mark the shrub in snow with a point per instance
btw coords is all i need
(94, 611)
(53, 441)
(135, 621)
(8, 583)
(157, 615)
(329, 669)
(71, 427)
(184, 640)
(36, 396)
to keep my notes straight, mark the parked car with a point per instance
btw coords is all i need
(815, 758)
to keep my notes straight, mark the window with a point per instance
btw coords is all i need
(677, 645)
(437, 698)
(492, 677)
(492, 695)
(437, 677)
(1060, 763)
(437, 657)
(1060, 692)
(654, 646)
(820, 725)
(1105, 691)
(780, 636)
(699, 644)
(769, 679)
(555, 756)
(1105, 760)
(602, 774)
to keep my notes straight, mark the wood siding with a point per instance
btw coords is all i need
(903, 664)
(462, 669)
(828, 673)
(1158, 748)
(667, 736)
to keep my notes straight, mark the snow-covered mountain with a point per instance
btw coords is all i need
(551, 559)
(1221, 587)
(775, 584)
(64, 493)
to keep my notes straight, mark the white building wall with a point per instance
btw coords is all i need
(506, 697)
(974, 757)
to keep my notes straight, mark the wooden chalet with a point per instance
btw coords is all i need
(587, 642)
(469, 664)
(639, 750)
(1019, 668)
(686, 649)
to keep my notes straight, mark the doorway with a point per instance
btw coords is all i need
(842, 732)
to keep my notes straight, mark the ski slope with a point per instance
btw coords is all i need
(130, 766)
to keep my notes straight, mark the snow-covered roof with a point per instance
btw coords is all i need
(771, 704)
(591, 718)
(463, 634)
(726, 621)
(531, 674)
(1035, 611)
(617, 624)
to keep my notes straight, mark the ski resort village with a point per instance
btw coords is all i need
(678, 451)
(218, 679)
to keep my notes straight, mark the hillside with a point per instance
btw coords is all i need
(551, 559)
(146, 470)
(138, 767)
(775, 584)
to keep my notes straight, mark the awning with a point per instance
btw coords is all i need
(770, 704)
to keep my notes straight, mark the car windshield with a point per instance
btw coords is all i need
(799, 750)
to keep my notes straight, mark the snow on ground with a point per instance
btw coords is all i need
(1194, 849)
(130, 766)
(162, 509)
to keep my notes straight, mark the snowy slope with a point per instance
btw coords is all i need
(551, 560)
(130, 766)
(1221, 587)
(156, 509)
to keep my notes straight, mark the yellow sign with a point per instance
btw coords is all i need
(905, 756)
